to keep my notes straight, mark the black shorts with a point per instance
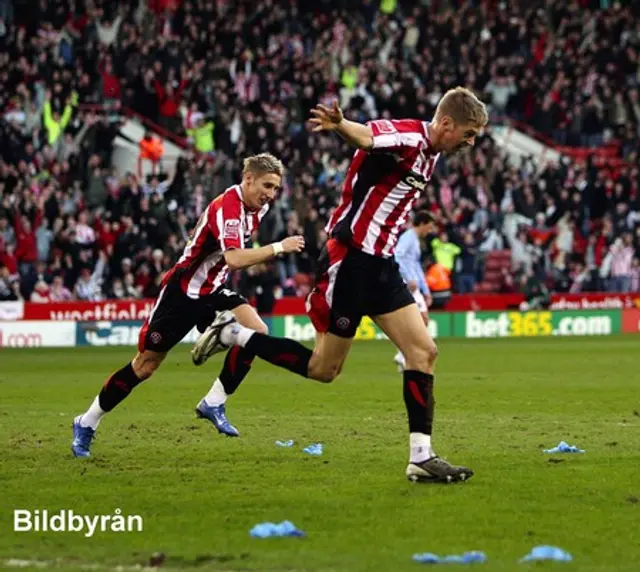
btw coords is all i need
(174, 315)
(351, 284)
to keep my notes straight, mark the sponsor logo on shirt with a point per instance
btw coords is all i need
(416, 181)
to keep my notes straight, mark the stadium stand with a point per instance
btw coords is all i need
(222, 79)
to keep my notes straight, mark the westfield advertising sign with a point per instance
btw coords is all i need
(114, 310)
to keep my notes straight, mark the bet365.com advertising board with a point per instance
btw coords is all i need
(535, 324)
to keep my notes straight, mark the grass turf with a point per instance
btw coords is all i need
(499, 402)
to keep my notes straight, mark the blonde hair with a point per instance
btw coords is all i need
(263, 164)
(463, 107)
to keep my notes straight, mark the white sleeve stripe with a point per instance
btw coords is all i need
(220, 222)
(397, 140)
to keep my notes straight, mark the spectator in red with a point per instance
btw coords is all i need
(144, 279)
(110, 82)
(106, 236)
(77, 23)
(169, 104)
(161, 6)
(7, 257)
(27, 249)
(540, 231)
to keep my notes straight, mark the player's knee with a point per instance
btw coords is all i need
(145, 370)
(326, 373)
(430, 352)
(263, 329)
(422, 357)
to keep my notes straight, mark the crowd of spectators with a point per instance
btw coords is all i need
(236, 77)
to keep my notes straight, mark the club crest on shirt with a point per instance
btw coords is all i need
(232, 229)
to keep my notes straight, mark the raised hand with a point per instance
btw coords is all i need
(326, 118)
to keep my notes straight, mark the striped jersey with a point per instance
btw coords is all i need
(382, 185)
(225, 224)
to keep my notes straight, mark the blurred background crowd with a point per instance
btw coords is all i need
(236, 77)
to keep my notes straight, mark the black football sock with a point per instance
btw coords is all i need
(419, 401)
(282, 352)
(117, 387)
(237, 364)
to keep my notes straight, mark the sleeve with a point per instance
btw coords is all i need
(417, 272)
(408, 258)
(396, 135)
(48, 119)
(66, 116)
(403, 256)
(422, 281)
(226, 222)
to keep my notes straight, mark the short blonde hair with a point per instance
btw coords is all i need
(263, 164)
(463, 107)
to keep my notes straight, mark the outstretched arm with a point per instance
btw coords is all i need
(331, 119)
(382, 136)
(244, 257)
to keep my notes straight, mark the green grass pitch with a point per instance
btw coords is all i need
(498, 403)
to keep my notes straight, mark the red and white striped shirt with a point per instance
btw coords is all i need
(382, 185)
(224, 225)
